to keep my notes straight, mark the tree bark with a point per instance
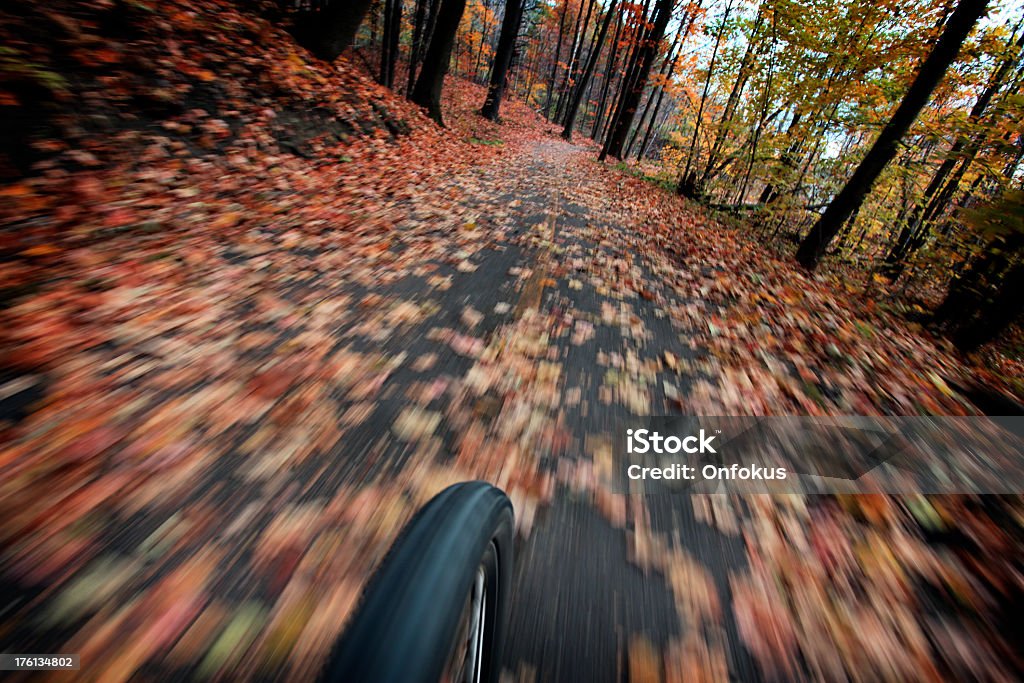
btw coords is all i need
(751, 53)
(881, 153)
(483, 41)
(667, 62)
(762, 118)
(941, 188)
(578, 36)
(684, 33)
(554, 66)
(419, 23)
(647, 50)
(427, 92)
(590, 51)
(630, 59)
(588, 71)
(389, 49)
(609, 73)
(502, 58)
(687, 186)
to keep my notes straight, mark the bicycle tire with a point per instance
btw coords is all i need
(405, 625)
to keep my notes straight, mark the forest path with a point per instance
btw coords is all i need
(583, 608)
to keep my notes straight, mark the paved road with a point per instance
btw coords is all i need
(579, 598)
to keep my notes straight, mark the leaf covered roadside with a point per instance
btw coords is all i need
(199, 323)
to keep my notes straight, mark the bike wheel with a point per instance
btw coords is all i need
(436, 608)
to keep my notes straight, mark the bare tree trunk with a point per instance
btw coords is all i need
(630, 60)
(647, 48)
(588, 71)
(483, 41)
(502, 58)
(554, 66)
(389, 49)
(668, 65)
(881, 153)
(427, 91)
(687, 186)
(420, 22)
(595, 132)
(630, 63)
(761, 120)
(590, 51)
(579, 34)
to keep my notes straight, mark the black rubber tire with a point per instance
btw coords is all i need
(405, 625)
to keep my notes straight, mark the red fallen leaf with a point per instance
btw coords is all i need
(119, 217)
(92, 444)
(16, 190)
(270, 384)
(59, 558)
(292, 408)
(105, 55)
(283, 567)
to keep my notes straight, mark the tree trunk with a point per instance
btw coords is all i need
(502, 58)
(483, 41)
(554, 66)
(427, 92)
(385, 44)
(668, 64)
(687, 186)
(683, 34)
(881, 153)
(631, 67)
(590, 51)
(770, 192)
(588, 71)
(648, 48)
(389, 49)
(743, 74)
(630, 59)
(419, 30)
(327, 32)
(579, 34)
(595, 132)
(939, 190)
(762, 119)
